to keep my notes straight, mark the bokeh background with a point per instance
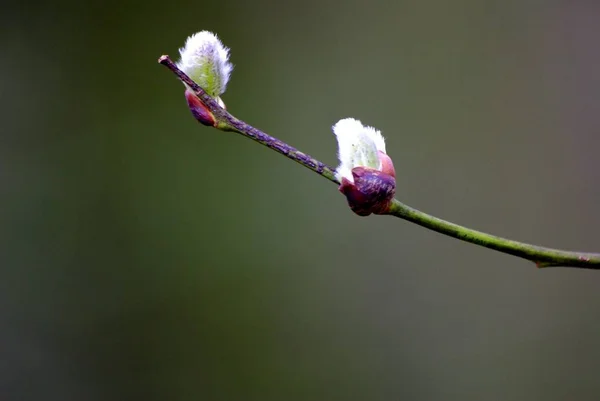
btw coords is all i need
(147, 257)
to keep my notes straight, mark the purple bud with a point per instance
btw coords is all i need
(199, 110)
(371, 192)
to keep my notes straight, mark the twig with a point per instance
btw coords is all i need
(227, 122)
(541, 256)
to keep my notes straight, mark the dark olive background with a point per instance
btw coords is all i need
(146, 257)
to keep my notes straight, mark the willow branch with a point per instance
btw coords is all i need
(226, 122)
(541, 256)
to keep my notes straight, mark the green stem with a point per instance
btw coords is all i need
(541, 256)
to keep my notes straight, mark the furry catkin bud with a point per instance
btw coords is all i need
(205, 60)
(366, 172)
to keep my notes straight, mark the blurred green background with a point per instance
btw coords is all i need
(147, 257)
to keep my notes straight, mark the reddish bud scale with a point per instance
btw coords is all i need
(371, 192)
(387, 166)
(199, 110)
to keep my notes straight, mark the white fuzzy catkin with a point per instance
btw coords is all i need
(205, 59)
(358, 145)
